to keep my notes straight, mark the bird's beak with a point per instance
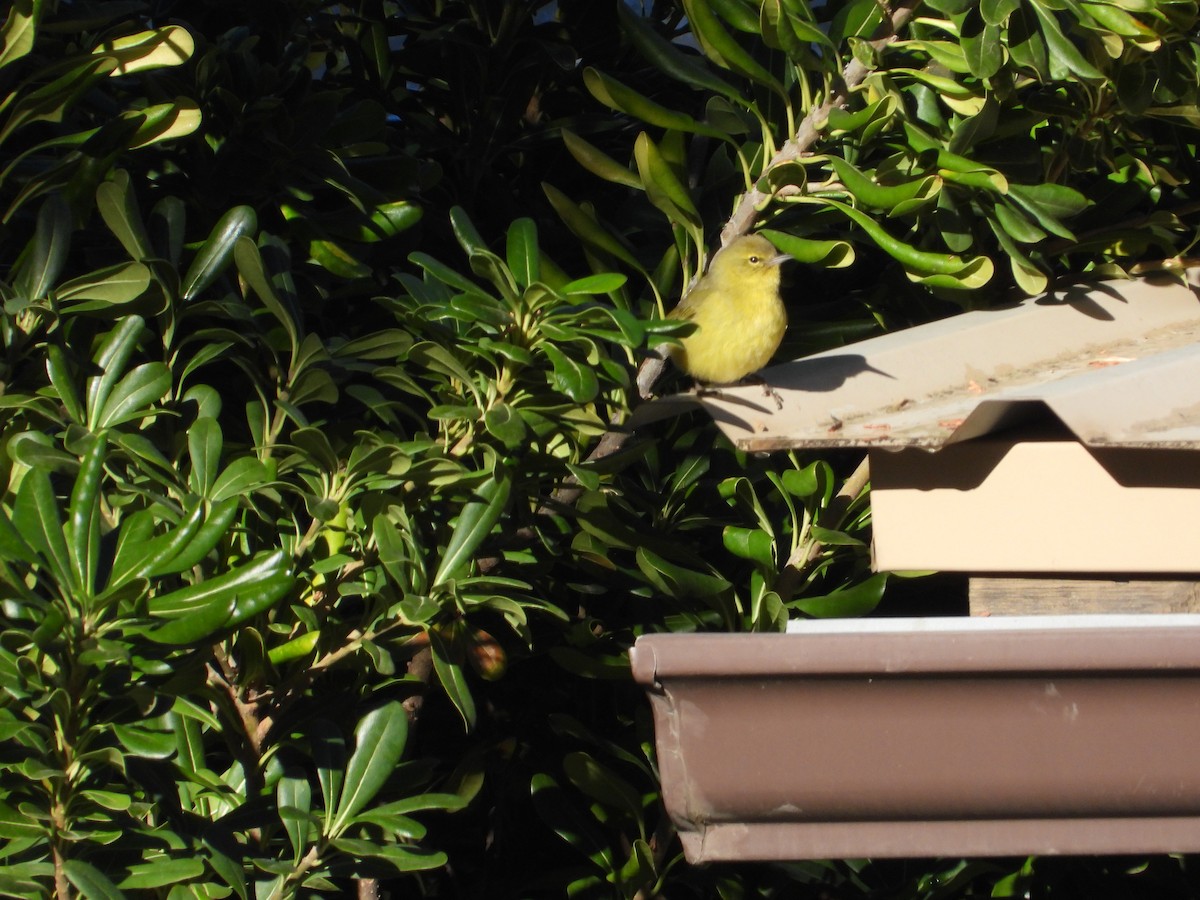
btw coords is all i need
(778, 259)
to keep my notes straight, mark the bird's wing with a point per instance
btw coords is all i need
(686, 308)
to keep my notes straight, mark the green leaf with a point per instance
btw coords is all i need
(133, 395)
(522, 251)
(598, 162)
(293, 796)
(506, 425)
(828, 254)
(1065, 57)
(465, 231)
(114, 353)
(202, 622)
(1049, 204)
(575, 379)
(13, 547)
(38, 519)
(47, 252)
(602, 784)
(448, 665)
(670, 59)
(62, 378)
(616, 95)
(50, 101)
(217, 250)
(445, 274)
(145, 743)
(439, 359)
(676, 580)
(379, 744)
(83, 516)
(20, 30)
(488, 265)
(401, 857)
(166, 121)
(242, 476)
(639, 870)
(603, 283)
(916, 262)
(983, 46)
(474, 524)
(88, 880)
(329, 754)
(171, 45)
(204, 450)
(802, 482)
(556, 810)
(16, 826)
(161, 873)
(584, 225)
(263, 579)
(389, 219)
(1016, 225)
(867, 191)
(719, 46)
(854, 601)
(996, 12)
(110, 286)
(750, 543)
(119, 208)
(663, 187)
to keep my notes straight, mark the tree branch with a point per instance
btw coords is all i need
(809, 129)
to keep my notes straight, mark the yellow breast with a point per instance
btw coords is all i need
(739, 316)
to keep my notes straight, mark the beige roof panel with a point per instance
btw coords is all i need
(1117, 362)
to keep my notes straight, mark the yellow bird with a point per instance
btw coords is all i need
(739, 315)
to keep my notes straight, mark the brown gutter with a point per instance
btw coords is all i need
(980, 737)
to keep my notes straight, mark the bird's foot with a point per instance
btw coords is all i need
(768, 391)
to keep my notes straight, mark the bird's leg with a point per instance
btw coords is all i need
(714, 390)
(768, 391)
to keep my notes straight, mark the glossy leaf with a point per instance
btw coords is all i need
(171, 45)
(380, 737)
(719, 46)
(118, 207)
(522, 249)
(448, 658)
(111, 286)
(90, 882)
(83, 515)
(47, 253)
(670, 58)
(474, 523)
(39, 520)
(132, 395)
(663, 187)
(827, 254)
(575, 379)
(599, 163)
(216, 252)
(19, 30)
(854, 601)
(556, 810)
(616, 95)
(266, 578)
(114, 353)
(601, 784)
(161, 873)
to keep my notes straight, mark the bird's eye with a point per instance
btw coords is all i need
(753, 259)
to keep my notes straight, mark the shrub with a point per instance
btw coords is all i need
(321, 542)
